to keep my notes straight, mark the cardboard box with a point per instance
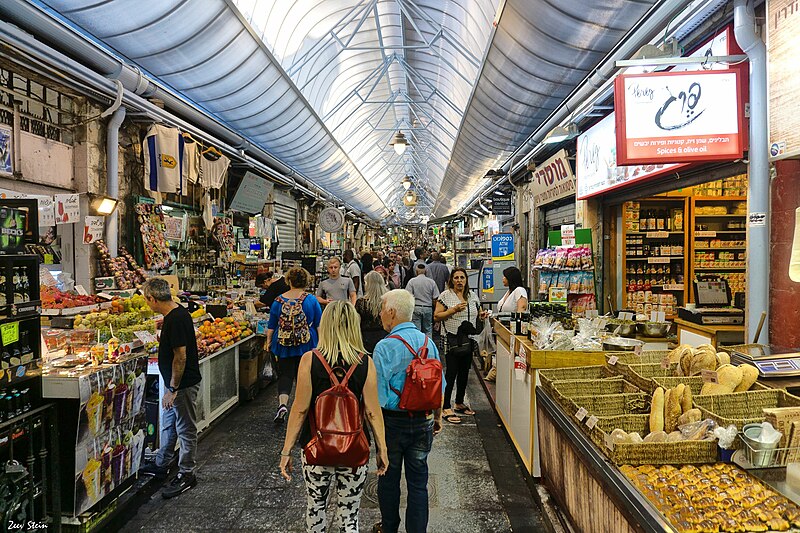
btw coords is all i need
(781, 419)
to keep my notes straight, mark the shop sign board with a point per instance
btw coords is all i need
(596, 163)
(552, 180)
(501, 205)
(678, 117)
(68, 208)
(503, 247)
(783, 85)
(252, 194)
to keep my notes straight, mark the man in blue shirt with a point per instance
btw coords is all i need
(409, 435)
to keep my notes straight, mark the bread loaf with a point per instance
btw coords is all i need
(657, 411)
(730, 376)
(689, 417)
(686, 400)
(749, 376)
(723, 359)
(672, 409)
(656, 436)
(702, 359)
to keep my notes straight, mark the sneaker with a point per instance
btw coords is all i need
(280, 416)
(152, 469)
(179, 485)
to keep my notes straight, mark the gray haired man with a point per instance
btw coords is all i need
(180, 372)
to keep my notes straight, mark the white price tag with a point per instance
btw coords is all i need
(613, 360)
(657, 234)
(81, 290)
(705, 233)
(592, 313)
(609, 442)
(591, 422)
(673, 286)
(581, 414)
(665, 363)
(710, 376)
(522, 353)
(637, 349)
(512, 343)
(145, 336)
(626, 316)
(658, 260)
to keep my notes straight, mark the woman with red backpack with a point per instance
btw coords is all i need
(292, 331)
(336, 387)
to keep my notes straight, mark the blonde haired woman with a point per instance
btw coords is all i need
(369, 309)
(341, 345)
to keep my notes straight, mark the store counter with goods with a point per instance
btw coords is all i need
(518, 363)
(669, 441)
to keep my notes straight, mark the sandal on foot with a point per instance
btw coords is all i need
(451, 417)
(464, 410)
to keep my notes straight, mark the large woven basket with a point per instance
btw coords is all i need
(564, 391)
(648, 453)
(548, 376)
(695, 383)
(743, 408)
(610, 405)
(642, 375)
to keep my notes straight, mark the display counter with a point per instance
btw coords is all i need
(101, 428)
(596, 496)
(697, 334)
(219, 388)
(515, 397)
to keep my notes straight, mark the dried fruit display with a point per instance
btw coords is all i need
(52, 298)
(127, 274)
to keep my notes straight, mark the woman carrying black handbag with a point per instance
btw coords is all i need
(459, 310)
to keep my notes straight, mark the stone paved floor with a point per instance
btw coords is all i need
(239, 486)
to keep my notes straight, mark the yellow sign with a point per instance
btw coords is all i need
(167, 161)
(9, 333)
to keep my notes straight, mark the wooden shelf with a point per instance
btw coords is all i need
(654, 231)
(718, 216)
(712, 269)
(712, 248)
(720, 198)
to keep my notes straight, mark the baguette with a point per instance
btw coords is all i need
(686, 399)
(672, 410)
(657, 411)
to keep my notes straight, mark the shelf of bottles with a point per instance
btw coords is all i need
(719, 243)
(654, 255)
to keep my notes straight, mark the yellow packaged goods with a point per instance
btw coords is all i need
(718, 497)
(657, 411)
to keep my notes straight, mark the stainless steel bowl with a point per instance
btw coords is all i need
(653, 329)
(619, 344)
(627, 329)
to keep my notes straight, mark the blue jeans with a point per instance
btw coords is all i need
(408, 440)
(180, 422)
(423, 319)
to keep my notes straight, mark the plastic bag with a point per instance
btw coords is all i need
(485, 340)
(726, 436)
(702, 430)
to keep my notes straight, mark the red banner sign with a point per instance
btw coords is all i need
(678, 117)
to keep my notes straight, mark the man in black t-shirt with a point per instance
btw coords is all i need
(180, 373)
(274, 287)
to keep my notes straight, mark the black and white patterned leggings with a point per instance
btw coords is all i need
(349, 486)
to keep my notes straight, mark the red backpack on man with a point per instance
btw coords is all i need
(422, 390)
(338, 437)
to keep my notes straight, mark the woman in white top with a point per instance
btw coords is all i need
(516, 297)
(455, 306)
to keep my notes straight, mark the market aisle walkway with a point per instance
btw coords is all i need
(240, 487)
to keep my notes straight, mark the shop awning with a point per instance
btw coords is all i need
(323, 86)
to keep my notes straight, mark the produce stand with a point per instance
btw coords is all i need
(219, 388)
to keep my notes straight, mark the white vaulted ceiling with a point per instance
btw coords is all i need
(323, 85)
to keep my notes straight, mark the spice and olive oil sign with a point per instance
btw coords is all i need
(679, 117)
(783, 35)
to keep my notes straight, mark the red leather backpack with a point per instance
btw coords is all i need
(422, 390)
(337, 432)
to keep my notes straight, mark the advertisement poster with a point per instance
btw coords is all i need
(783, 78)
(503, 247)
(678, 117)
(487, 280)
(110, 441)
(68, 208)
(596, 162)
(47, 213)
(5, 151)
(93, 229)
(552, 180)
